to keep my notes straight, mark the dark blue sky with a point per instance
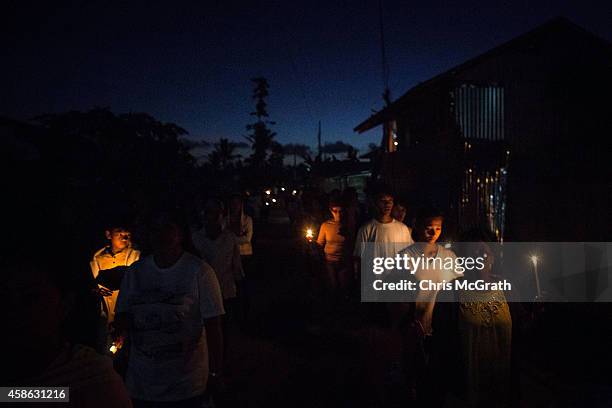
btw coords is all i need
(190, 63)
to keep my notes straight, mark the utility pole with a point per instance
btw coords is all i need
(385, 64)
(386, 136)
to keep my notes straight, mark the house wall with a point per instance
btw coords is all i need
(557, 124)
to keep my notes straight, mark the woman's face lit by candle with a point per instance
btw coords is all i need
(431, 230)
(337, 213)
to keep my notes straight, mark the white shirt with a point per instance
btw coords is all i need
(105, 259)
(223, 254)
(168, 356)
(246, 233)
(390, 238)
(436, 272)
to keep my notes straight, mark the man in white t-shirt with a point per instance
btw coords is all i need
(170, 304)
(388, 235)
(219, 247)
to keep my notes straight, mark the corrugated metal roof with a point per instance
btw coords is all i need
(556, 25)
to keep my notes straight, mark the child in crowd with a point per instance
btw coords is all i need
(117, 253)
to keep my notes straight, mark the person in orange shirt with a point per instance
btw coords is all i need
(336, 242)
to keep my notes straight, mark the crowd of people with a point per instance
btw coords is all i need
(147, 325)
(434, 348)
(167, 289)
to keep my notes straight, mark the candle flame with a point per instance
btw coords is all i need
(309, 234)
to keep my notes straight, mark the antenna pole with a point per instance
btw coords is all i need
(385, 65)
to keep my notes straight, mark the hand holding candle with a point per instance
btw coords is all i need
(309, 234)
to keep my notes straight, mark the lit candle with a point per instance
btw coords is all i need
(309, 234)
(534, 261)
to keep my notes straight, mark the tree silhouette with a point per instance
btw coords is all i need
(297, 150)
(260, 137)
(337, 147)
(105, 156)
(223, 155)
(277, 154)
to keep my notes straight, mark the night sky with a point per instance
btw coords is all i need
(190, 63)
